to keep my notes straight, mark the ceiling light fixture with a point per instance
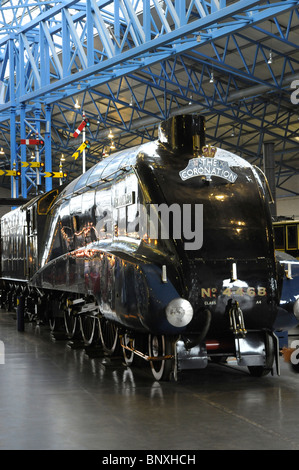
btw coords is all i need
(270, 58)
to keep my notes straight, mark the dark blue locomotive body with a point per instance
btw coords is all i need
(161, 242)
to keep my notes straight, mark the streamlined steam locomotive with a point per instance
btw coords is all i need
(166, 249)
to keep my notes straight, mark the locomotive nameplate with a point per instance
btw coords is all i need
(208, 167)
(124, 200)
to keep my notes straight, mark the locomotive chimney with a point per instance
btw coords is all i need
(185, 133)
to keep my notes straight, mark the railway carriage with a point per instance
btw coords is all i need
(286, 231)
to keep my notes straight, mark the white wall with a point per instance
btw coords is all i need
(288, 206)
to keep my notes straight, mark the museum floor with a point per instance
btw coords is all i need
(55, 397)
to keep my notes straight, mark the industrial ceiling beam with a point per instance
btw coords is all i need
(51, 52)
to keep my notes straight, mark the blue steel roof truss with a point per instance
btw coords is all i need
(133, 63)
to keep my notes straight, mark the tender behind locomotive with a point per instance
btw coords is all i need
(167, 246)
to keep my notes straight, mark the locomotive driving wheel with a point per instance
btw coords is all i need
(160, 348)
(70, 320)
(108, 335)
(261, 371)
(87, 328)
(127, 353)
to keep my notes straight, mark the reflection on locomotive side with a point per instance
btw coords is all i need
(175, 289)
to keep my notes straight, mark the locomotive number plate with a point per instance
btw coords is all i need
(211, 292)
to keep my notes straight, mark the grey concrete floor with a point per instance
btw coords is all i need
(54, 397)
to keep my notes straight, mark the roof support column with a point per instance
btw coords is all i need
(23, 151)
(147, 20)
(89, 22)
(13, 153)
(13, 132)
(48, 149)
(37, 114)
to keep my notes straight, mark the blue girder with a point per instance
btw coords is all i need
(106, 51)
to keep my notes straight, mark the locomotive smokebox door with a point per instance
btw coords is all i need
(185, 133)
